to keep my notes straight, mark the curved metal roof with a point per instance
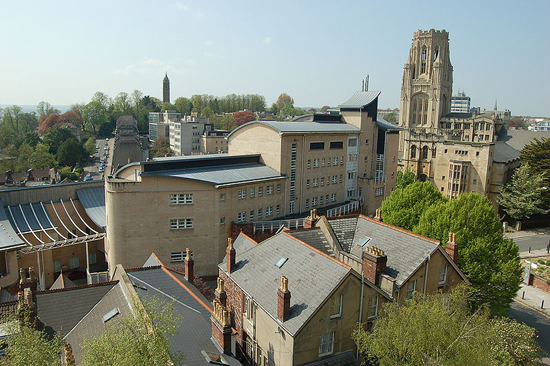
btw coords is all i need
(360, 99)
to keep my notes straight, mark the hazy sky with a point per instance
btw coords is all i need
(316, 51)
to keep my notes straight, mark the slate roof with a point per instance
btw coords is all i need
(360, 99)
(313, 237)
(92, 323)
(305, 127)
(505, 153)
(344, 229)
(312, 277)
(8, 237)
(243, 243)
(518, 139)
(405, 251)
(60, 310)
(93, 201)
(219, 175)
(62, 281)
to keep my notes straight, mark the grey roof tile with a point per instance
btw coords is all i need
(344, 229)
(315, 238)
(311, 275)
(93, 201)
(504, 152)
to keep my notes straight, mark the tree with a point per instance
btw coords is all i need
(15, 125)
(32, 138)
(243, 117)
(168, 107)
(518, 122)
(41, 158)
(184, 106)
(537, 155)
(95, 115)
(27, 346)
(23, 162)
(160, 148)
(48, 123)
(122, 105)
(207, 112)
(521, 198)
(490, 262)
(391, 117)
(439, 329)
(324, 109)
(283, 99)
(404, 206)
(90, 146)
(274, 108)
(405, 178)
(140, 340)
(70, 153)
(56, 137)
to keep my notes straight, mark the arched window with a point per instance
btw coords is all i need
(423, 60)
(425, 153)
(419, 109)
(413, 152)
(436, 53)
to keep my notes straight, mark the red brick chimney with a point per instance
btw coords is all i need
(27, 279)
(452, 247)
(221, 327)
(189, 265)
(378, 216)
(374, 264)
(220, 293)
(230, 252)
(310, 221)
(283, 301)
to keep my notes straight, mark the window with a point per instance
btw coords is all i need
(74, 262)
(322, 181)
(92, 258)
(181, 199)
(321, 200)
(352, 142)
(474, 182)
(351, 175)
(328, 162)
(260, 191)
(307, 183)
(425, 152)
(442, 275)
(352, 157)
(242, 194)
(336, 307)
(477, 153)
(181, 224)
(328, 180)
(379, 191)
(315, 182)
(309, 163)
(241, 216)
(177, 256)
(323, 163)
(411, 288)
(259, 213)
(339, 144)
(278, 210)
(269, 211)
(307, 202)
(251, 215)
(314, 202)
(372, 307)
(342, 160)
(278, 187)
(316, 163)
(341, 178)
(269, 189)
(316, 145)
(335, 161)
(252, 192)
(333, 197)
(413, 152)
(334, 179)
(326, 344)
(222, 197)
(222, 220)
(57, 266)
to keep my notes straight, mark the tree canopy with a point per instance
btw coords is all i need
(439, 329)
(522, 197)
(56, 137)
(70, 153)
(284, 99)
(404, 206)
(489, 261)
(405, 178)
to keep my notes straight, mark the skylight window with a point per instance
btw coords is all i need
(364, 242)
(110, 315)
(281, 262)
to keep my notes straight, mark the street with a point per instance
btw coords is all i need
(535, 320)
(533, 242)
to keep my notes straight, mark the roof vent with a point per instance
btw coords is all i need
(281, 262)
(110, 315)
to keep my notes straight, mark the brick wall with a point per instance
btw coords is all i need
(235, 297)
(539, 283)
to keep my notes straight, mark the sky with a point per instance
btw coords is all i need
(318, 52)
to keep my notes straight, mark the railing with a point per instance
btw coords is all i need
(276, 224)
(343, 210)
(97, 277)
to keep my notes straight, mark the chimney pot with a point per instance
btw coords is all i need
(378, 216)
(283, 300)
(452, 247)
(189, 265)
(230, 255)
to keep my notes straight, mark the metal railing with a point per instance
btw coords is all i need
(344, 209)
(276, 224)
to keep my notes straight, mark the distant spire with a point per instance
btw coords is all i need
(496, 109)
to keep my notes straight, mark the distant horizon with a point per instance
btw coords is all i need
(317, 52)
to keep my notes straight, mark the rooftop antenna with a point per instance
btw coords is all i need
(363, 85)
(367, 83)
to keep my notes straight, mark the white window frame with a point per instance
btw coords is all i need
(314, 202)
(242, 194)
(326, 344)
(316, 163)
(333, 197)
(411, 288)
(334, 179)
(269, 189)
(177, 257)
(372, 307)
(260, 213)
(335, 161)
(278, 187)
(181, 224)
(336, 307)
(252, 192)
(315, 182)
(241, 217)
(269, 211)
(181, 199)
(443, 272)
(260, 191)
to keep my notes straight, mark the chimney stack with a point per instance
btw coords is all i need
(310, 221)
(283, 301)
(220, 293)
(452, 247)
(374, 264)
(230, 255)
(221, 327)
(27, 279)
(378, 216)
(9, 177)
(189, 265)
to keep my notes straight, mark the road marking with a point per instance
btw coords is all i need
(532, 308)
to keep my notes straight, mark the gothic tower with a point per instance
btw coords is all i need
(166, 89)
(425, 94)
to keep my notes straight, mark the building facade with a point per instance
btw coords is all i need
(460, 103)
(185, 134)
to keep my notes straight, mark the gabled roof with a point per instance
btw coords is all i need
(312, 277)
(62, 281)
(313, 237)
(360, 99)
(406, 251)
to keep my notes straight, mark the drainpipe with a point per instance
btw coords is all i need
(426, 272)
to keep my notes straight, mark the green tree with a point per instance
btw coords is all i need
(168, 107)
(15, 125)
(160, 148)
(405, 178)
(122, 105)
(140, 340)
(404, 206)
(23, 162)
(95, 115)
(56, 137)
(284, 99)
(522, 197)
(490, 262)
(537, 155)
(207, 112)
(324, 109)
(32, 138)
(70, 153)
(184, 106)
(90, 146)
(391, 117)
(41, 158)
(519, 123)
(274, 108)
(439, 329)
(69, 173)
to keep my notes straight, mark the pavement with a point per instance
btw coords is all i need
(526, 234)
(534, 299)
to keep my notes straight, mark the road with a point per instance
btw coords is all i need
(535, 320)
(539, 241)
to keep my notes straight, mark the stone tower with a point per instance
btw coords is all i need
(426, 92)
(166, 89)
